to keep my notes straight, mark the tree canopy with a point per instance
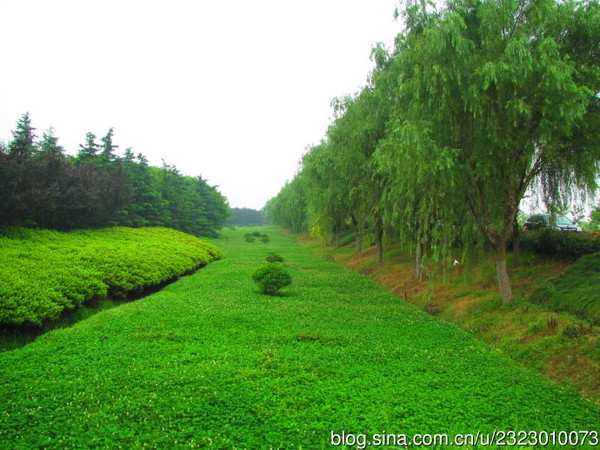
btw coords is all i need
(42, 186)
(245, 216)
(477, 103)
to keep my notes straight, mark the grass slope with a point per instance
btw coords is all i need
(561, 345)
(577, 290)
(209, 361)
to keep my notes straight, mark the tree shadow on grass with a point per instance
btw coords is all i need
(286, 293)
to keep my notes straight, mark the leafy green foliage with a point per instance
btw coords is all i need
(45, 272)
(272, 277)
(593, 226)
(575, 291)
(562, 244)
(206, 362)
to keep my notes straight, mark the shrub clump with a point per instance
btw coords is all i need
(274, 257)
(251, 237)
(272, 277)
(562, 244)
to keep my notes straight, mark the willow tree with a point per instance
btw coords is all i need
(427, 215)
(495, 100)
(353, 138)
(417, 198)
(288, 208)
(575, 27)
(325, 197)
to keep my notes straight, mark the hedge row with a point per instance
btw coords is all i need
(562, 244)
(45, 272)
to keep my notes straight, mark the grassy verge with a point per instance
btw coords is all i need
(209, 361)
(576, 291)
(557, 343)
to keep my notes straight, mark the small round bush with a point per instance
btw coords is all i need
(272, 277)
(265, 238)
(274, 257)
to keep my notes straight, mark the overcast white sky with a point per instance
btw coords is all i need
(231, 90)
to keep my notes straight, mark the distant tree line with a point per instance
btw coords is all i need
(478, 103)
(245, 217)
(40, 185)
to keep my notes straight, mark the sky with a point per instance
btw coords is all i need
(232, 90)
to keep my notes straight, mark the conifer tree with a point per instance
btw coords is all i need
(49, 144)
(22, 144)
(108, 149)
(89, 150)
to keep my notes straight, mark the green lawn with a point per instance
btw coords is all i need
(209, 361)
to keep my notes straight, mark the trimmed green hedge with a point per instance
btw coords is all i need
(563, 244)
(44, 272)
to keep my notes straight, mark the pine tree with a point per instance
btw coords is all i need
(22, 144)
(129, 156)
(90, 149)
(108, 149)
(49, 144)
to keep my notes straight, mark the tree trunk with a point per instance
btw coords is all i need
(379, 241)
(516, 244)
(502, 273)
(418, 262)
(357, 239)
(337, 237)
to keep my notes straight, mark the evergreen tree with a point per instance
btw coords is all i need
(128, 156)
(216, 209)
(89, 150)
(108, 149)
(49, 144)
(22, 144)
(98, 188)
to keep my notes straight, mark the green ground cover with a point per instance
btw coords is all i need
(44, 272)
(210, 361)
